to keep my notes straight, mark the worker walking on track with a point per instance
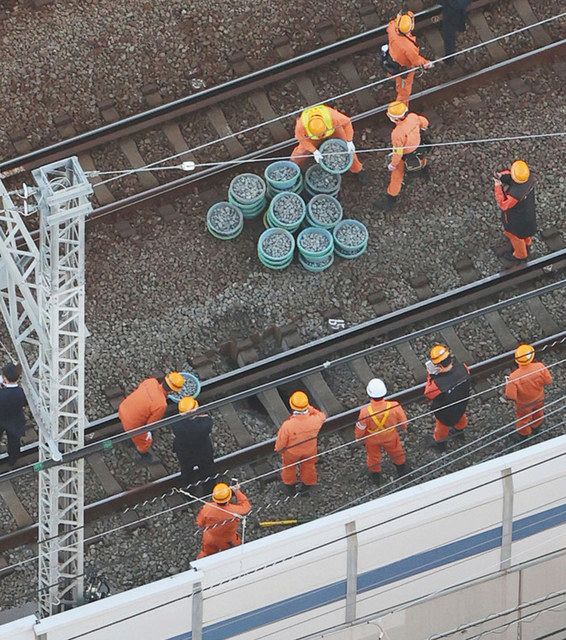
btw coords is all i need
(405, 141)
(147, 404)
(377, 425)
(193, 447)
(448, 386)
(297, 443)
(404, 50)
(514, 191)
(219, 519)
(525, 386)
(453, 21)
(12, 418)
(318, 123)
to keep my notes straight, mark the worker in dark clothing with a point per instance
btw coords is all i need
(453, 21)
(448, 386)
(193, 447)
(514, 190)
(12, 418)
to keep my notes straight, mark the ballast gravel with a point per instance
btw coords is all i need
(226, 218)
(321, 180)
(280, 174)
(248, 188)
(351, 235)
(289, 208)
(334, 156)
(277, 245)
(314, 241)
(325, 209)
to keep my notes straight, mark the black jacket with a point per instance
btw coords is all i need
(12, 403)
(455, 386)
(192, 436)
(520, 220)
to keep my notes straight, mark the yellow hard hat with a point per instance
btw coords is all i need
(405, 22)
(439, 353)
(299, 401)
(520, 171)
(221, 493)
(175, 381)
(397, 109)
(524, 354)
(317, 126)
(186, 404)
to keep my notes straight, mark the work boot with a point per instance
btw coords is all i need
(148, 457)
(304, 489)
(518, 437)
(375, 477)
(386, 203)
(425, 173)
(439, 446)
(291, 489)
(402, 469)
(510, 258)
(362, 177)
(459, 433)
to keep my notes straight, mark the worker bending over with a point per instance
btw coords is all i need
(525, 386)
(404, 50)
(453, 21)
(377, 425)
(193, 447)
(147, 404)
(219, 519)
(448, 386)
(405, 141)
(514, 191)
(318, 123)
(297, 443)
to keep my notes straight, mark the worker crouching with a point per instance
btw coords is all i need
(525, 387)
(377, 426)
(219, 519)
(318, 123)
(297, 443)
(147, 404)
(448, 386)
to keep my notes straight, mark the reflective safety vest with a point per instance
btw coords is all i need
(326, 115)
(379, 419)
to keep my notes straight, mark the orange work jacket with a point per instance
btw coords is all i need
(404, 48)
(146, 404)
(342, 128)
(298, 434)
(406, 136)
(380, 417)
(216, 523)
(526, 384)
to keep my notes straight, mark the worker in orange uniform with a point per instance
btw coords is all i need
(525, 386)
(377, 426)
(147, 404)
(515, 194)
(219, 519)
(405, 141)
(404, 50)
(448, 386)
(297, 443)
(318, 123)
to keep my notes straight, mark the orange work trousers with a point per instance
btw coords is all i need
(390, 442)
(213, 544)
(520, 245)
(525, 422)
(404, 87)
(441, 430)
(307, 469)
(396, 180)
(299, 150)
(142, 443)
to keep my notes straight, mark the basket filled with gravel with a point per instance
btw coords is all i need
(350, 239)
(335, 156)
(224, 221)
(324, 211)
(275, 248)
(282, 175)
(316, 248)
(317, 180)
(247, 191)
(190, 388)
(287, 210)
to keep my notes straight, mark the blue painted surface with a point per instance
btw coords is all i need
(381, 576)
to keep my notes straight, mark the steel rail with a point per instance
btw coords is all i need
(258, 451)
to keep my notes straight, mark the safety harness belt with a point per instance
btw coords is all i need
(379, 422)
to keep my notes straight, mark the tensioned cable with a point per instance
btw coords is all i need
(343, 95)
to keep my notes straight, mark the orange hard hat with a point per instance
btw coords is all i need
(520, 171)
(524, 354)
(221, 493)
(316, 125)
(397, 110)
(175, 381)
(405, 22)
(439, 353)
(299, 401)
(186, 404)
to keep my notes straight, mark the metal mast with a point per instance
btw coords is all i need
(43, 305)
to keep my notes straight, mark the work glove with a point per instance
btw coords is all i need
(391, 166)
(317, 156)
(428, 65)
(351, 147)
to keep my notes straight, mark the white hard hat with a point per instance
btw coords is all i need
(376, 388)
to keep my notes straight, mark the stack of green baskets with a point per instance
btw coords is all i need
(283, 175)
(317, 180)
(316, 248)
(224, 221)
(275, 248)
(286, 211)
(324, 211)
(247, 191)
(335, 156)
(350, 239)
